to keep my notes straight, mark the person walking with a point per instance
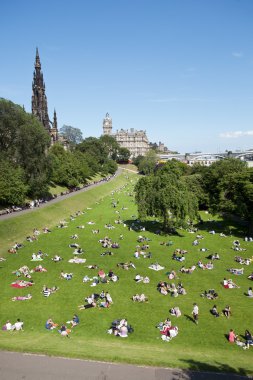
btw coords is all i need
(195, 313)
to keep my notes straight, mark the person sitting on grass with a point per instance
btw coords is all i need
(18, 325)
(50, 325)
(175, 311)
(229, 284)
(250, 292)
(74, 321)
(214, 311)
(227, 311)
(64, 331)
(57, 258)
(7, 326)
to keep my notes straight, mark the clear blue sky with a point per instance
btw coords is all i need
(180, 69)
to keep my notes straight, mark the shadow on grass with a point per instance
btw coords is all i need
(200, 370)
(150, 226)
(227, 226)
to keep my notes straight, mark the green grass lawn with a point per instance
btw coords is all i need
(202, 347)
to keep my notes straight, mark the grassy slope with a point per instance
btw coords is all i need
(196, 347)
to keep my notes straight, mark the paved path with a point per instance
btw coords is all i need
(16, 366)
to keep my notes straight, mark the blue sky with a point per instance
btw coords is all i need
(180, 69)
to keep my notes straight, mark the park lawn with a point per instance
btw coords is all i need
(202, 347)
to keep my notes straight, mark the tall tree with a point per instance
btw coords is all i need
(167, 197)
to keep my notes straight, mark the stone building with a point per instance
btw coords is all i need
(39, 102)
(135, 141)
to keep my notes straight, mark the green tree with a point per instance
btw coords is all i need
(148, 163)
(12, 187)
(123, 155)
(166, 197)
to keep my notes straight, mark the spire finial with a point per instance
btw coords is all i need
(37, 59)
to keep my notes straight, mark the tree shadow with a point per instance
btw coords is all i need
(211, 371)
(151, 226)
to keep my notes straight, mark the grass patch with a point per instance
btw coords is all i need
(202, 347)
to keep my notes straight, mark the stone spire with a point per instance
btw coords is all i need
(39, 99)
(54, 130)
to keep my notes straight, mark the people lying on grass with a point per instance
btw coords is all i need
(178, 257)
(223, 235)
(243, 261)
(22, 284)
(90, 304)
(75, 236)
(156, 267)
(12, 250)
(91, 222)
(175, 311)
(46, 291)
(238, 248)
(214, 256)
(112, 276)
(106, 242)
(77, 260)
(37, 257)
(249, 293)
(95, 232)
(210, 294)
(250, 277)
(203, 266)
(115, 245)
(39, 268)
(46, 230)
(140, 298)
(57, 258)
(229, 284)
(31, 238)
(107, 253)
(36, 232)
(23, 271)
(74, 245)
(22, 298)
(62, 224)
(142, 239)
(74, 321)
(66, 276)
(203, 249)
(168, 332)
(17, 246)
(188, 270)
(78, 251)
(236, 271)
(214, 311)
(7, 326)
(126, 265)
(92, 266)
(81, 227)
(227, 311)
(121, 328)
(109, 226)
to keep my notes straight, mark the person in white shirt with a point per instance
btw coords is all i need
(195, 313)
(18, 325)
